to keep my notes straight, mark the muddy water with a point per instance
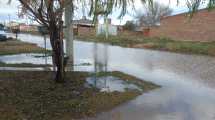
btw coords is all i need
(188, 81)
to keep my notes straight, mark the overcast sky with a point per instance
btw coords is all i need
(11, 10)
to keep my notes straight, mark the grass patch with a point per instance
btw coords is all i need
(35, 96)
(165, 44)
(2, 64)
(16, 47)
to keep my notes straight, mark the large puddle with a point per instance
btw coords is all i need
(26, 58)
(188, 81)
(111, 84)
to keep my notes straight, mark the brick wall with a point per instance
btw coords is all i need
(130, 33)
(200, 28)
(84, 30)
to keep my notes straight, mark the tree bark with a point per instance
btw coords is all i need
(56, 39)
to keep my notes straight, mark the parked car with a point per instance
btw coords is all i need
(3, 36)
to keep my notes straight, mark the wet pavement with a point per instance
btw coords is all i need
(188, 81)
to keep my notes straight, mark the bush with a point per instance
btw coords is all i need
(129, 26)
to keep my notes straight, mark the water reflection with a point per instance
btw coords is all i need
(37, 39)
(111, 84)
(100, 53)
(26, 58)
(22, 69)
(188, 85)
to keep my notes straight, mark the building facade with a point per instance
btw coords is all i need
(109, 28)
(83, 27)
(179, 27)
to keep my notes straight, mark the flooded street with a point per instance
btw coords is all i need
(188, 81)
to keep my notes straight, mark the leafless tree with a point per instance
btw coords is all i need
(49, 13)
(152, 14)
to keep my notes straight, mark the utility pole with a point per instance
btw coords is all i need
(68, 33)
(9, 22)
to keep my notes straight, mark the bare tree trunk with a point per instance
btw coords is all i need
(56, 39)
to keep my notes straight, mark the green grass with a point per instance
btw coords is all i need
(164, 44)
(2, 64)
(11, 47)
(35, 96)
(192, 47)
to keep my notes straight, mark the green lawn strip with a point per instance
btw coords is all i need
(12, 46)
(2, 64)
(162, 43)
(35, 96)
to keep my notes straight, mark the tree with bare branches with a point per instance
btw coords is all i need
(49, 13)
(152, 14)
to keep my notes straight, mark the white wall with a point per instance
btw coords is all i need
(112, 29)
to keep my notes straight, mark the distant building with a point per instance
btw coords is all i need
(28, 28)
(83, 26)
(12, 24)
(112, 29)
(22, 27)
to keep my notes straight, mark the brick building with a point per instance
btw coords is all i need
(28, 28)
(112, 29)
(83, 27)
(179, 27)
